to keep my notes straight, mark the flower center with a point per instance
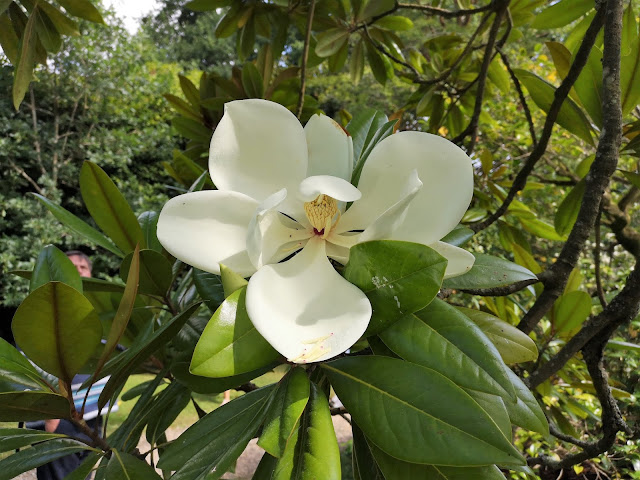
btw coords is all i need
(320, 213)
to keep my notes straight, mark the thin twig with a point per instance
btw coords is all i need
(305, 57)
(523, 100)
(441, 12)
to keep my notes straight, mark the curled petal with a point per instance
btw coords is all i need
(273, 236)
(335, 187)
(387, 223)
(305, 309)
(258, 148)
(460, 261)
(330, 148)
(338, 253)
(207, 228)
(445, 170)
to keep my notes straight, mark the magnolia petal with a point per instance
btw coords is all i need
(258, 148)
(207, 228)
(338, 253)
(305, 309)
(387, 223)
(330, 148)
(335, 187)
(460, 261)
(273, 236)
(445, 170)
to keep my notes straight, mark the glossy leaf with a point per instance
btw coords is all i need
(312, 452)
(394, 469)
(499, 76)
(68, 327)
(364, 465)
(191, 129)
(16, 372)
(399, 278)
(214, 442)
(209, 287)
(568, 210)
(231, 281)
(198, 384)
(230, 344)
(588, 86)
(285, 412)
(571, 310)
(85, 468)
(39, 454)
(561, 13)
(363, 128)
(83, 9)
(155, 274)
(31, 405)
(442, 424)
(630, 77)
(514, 345)
(394, 22)
(54, 266)
(123, 466)
(561, 58)
(458, 236)
(149, 223)
(109, 208)
(166, 407)
(252, 81)
(526, 412)
(495, 407)
(135, 356)
(330, 41)
(356, 65)
(570, 116)
(79, 226)
(541, 229)
(489, 272)
(13, 438)
(26, 60)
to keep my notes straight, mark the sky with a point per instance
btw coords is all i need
(131, 11)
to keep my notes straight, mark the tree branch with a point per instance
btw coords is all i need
(441, 12)
(560, 95)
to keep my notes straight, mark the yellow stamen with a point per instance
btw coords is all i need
(318, 349)
(320, 213)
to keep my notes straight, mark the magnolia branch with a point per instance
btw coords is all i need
(560, 95)
(441, 12)
(600, 173)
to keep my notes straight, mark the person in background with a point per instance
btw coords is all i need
(60, 468)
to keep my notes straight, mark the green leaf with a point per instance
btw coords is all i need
(363, 128)
(16, 373)
(330, 41)
(561, 13)
(168, 404)
(155, 272)
(214, 442)
(443, 339)
(583, 167)
(588, 86)
(394, 22)
(387, 399)
(83, 9)
(571, 310)
(183, 107)
(149, 224)
(634, 178)
(109, 208)
(46, 31)
(380, 134)
(123, 466)
(230, 344)
(398, 278)
(192, 129)
(123, 314)
(618, 345)
(54, 266)
(570, 116)
(378, 63)
(526, 412)
(207, 5)
(630, 77)
(285, 412)
(40, 454)
(514, 345)
(265, 467)
(29, 405)
(84, 469)
(68, 327)
(209, 287)
(13, 438)
(364, 465)
(26, 60)
(372, 8)
(63, 24)
(394, 469)
(489, 272)
(79, 226)
(561, 58)
(568, 210)
(252, 81)
(495, 407)
(356, 66)
(499, 76)
(231, 281)
(136, 356)
(458, 236)
(180, 371)
(9, 40)
(312, 452)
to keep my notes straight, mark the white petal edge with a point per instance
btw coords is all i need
(257, 148)
(387, 223)
(459, 260)
(445, 170)
(305, 309)
(207, 228)
(335, 187)
(271, 235)
(330, 148)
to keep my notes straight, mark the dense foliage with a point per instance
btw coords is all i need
(544, 99)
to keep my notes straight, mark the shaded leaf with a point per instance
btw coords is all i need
(488, 272)
(54, 266)
(568, 210)
(123, 466)
(40, 454)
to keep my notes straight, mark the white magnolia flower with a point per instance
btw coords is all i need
(282, 188)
